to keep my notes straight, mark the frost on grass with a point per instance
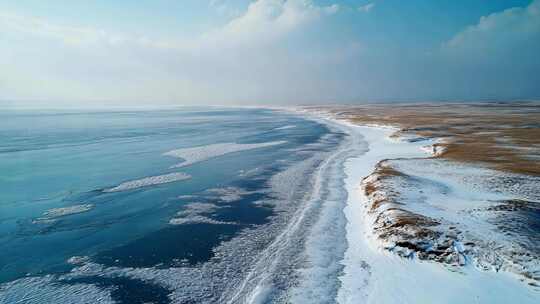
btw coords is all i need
(456, 214)
(78, 260)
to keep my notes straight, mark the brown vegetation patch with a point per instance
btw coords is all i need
(382, 172)
(505, 136)
(404, 232)
(370, 188)
(383, 169)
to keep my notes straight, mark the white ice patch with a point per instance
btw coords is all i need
(58, 212)
(199, 154)
(197, 219)
(197, 208)
(39, 290)
(228, 194)
(149, 181)
(194, 214)
(251, 172)
(78, 260)
(52, 214)
(286, 127)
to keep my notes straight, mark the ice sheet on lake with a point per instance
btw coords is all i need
(198, 154)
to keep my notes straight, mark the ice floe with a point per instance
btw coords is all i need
(197, 208)
(196, 213)
(197, 219)
(228, 194)
(286, 127)
(78, 260)
(58, 212)
(149, 181)
(198, 154)
(51, 215)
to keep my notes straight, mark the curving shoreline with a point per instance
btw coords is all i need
(375, 271)
(360, 216)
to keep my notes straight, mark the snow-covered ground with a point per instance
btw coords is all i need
(374, 274)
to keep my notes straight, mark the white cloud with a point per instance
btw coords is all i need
(274, 51)
(65, 62)
(366, 8)
(271, 19)
(224, 8)
(263, 20)
(500, 28)
(24, 26)
(27, 28)
(497, 57)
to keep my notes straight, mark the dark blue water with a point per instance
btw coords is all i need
(52, 160)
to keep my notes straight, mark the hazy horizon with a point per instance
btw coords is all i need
(266, 52)
(17, 105)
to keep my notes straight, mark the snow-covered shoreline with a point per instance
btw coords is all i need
(374, 275)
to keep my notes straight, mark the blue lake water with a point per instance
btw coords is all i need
(58, 215)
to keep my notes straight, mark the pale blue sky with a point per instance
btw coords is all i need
(150, 52)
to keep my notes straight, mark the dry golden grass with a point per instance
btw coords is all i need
(503, 135)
